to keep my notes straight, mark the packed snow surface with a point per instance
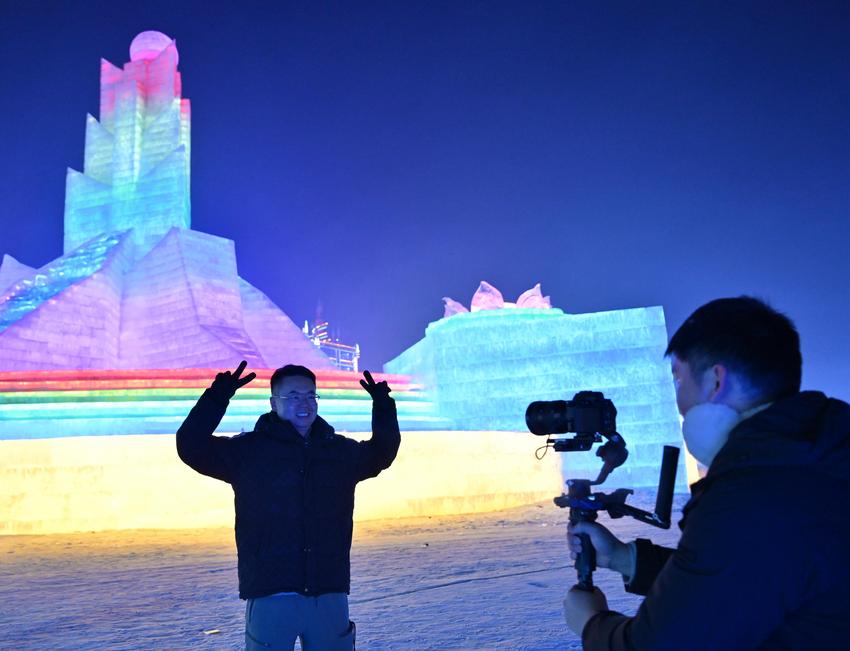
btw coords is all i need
(488, 581)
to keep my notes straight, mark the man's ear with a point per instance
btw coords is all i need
(717, 378)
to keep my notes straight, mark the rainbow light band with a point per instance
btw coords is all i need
(52, 404)
(61, 380)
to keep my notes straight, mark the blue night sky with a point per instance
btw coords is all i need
(380, 156)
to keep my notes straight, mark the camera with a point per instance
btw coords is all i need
(590, 416)
(588, 413)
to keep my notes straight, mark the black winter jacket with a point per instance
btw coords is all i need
(764, 558)
(294, 497)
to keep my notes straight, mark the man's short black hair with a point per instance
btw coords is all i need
(749, 337)
(288, 371)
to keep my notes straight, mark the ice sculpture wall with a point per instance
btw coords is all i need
(485, 367)
(117, 338)
(67, 313)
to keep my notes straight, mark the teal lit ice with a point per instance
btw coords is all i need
(136, 170)
(485, 367)
(29, 293)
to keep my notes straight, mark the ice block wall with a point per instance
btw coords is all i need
(485, 367)
(105, 349)
(182, 306)
(12, 271)
(67, 313)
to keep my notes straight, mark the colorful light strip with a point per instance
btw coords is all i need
(62, 403)
(90, 380)
(177, 393)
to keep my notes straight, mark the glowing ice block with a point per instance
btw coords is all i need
(67, 313)
(182, 306)
(12, 271)
(278, 340)
(485, 367)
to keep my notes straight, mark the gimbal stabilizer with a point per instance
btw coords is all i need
(584, 506)
(592, 416)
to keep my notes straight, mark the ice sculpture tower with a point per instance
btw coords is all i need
(136, 170)
(136, 288)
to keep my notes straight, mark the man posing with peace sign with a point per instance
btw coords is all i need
(293, 479)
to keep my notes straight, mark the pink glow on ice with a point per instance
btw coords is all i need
(453, 307)
(148, 46)
(109, 76)
(534, 298)
(488, 297)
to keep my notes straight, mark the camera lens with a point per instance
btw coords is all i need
(547, 417)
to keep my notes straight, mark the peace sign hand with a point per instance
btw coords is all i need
(225, 384)
(378, 390)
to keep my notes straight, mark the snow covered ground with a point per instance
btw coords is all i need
(490, 581)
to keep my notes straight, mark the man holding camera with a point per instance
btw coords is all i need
(293, 481)
(762, 561)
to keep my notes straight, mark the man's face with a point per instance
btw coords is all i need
(690, 391)
(295, 401)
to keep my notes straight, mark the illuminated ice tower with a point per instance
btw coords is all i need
(136, 288)
(136, 170)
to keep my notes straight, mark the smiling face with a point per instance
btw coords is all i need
(294, 400)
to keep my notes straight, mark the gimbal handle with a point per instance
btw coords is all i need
(584, 506)
(585, 563)
(586, 559)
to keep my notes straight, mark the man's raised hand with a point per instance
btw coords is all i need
(378, 390)
(226, 384)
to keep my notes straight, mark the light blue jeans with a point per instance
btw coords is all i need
(321, 622)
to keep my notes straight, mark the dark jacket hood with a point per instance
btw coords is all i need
(272, 424)
(807, 429)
